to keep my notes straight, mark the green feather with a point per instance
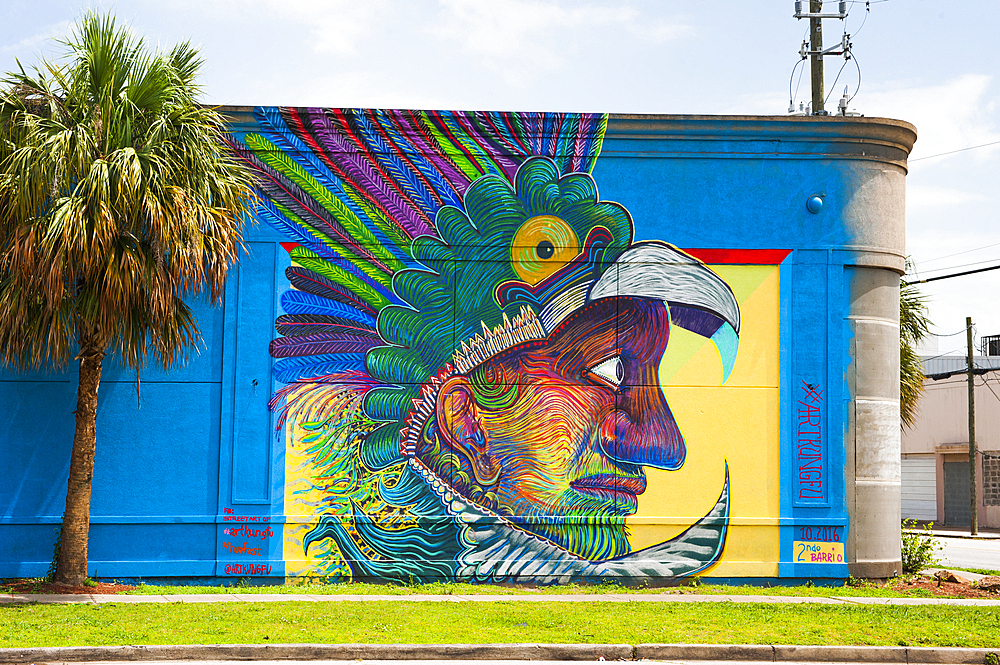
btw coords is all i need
(471, 170)
(486, 163)
(384, 224)
(271, 155)
(314, 262)
(364, 266)
(595, 149)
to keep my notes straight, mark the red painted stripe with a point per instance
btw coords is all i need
(761, 257)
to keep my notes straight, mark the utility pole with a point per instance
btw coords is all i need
(816, 59)
(972, 429)
(815, 51)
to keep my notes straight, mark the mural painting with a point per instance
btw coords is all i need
(471, 358)
(511, 347)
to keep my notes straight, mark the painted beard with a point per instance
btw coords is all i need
(556, 478)
(594, 538)
(554, 435)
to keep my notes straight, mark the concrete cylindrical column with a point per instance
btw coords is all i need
(875, 219)
(873, 319)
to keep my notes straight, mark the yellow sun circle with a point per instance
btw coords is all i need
(541, 246)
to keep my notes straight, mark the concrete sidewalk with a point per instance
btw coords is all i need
(759, 653)
(957, 532)
(832, 599)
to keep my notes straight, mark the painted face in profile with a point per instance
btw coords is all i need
(556, 434)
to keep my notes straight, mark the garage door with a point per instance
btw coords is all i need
(919, 487)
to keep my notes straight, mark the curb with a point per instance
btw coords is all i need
(55, 599)
(825, 654)
(522, 651)
(529, 651)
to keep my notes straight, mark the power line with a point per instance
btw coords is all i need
(957, 274)
(952, 152)
(960, 332)
(966, 251)
(858, 89)
(942, 355)
(987, 384)
(960, 265)
(834, 86)
(868, 10)
(791, 96)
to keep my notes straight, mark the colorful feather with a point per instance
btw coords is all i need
(359, 193)
(314, 345)
(321, 324)
(321, 368)
(358, 235)
(294, 302)
(316, 284)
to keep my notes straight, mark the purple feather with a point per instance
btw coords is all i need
(417, 133)
(358, 169)
(477, 134)
(319, 324)
(311, 345)
(311, 282)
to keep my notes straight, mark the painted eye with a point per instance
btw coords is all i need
(610, 371)
(542, 246)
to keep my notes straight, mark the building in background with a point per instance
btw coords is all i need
(935, 451)
(513, 347)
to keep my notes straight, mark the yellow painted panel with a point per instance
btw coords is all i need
(302, 495)
(751, 551)
(720, 425)
(691, 360)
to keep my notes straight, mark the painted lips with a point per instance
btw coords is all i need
(607, 485)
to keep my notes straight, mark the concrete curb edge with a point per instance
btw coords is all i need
(517, 651)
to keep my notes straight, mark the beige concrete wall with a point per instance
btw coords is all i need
(942, 429)
(943, 415)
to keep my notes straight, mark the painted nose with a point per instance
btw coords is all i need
(646, 433)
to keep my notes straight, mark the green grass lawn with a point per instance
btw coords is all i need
(981, 571)
(471, 622)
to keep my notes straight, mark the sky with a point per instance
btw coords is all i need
(933, 63)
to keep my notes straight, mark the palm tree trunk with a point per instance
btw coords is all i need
(71, 567)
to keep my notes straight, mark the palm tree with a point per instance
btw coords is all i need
(913, 327)
(118, 199)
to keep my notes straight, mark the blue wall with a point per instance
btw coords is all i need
(204, 453)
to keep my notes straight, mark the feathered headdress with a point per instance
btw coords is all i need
(427, 242)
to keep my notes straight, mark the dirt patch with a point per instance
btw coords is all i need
(41, 586)
(923, 585)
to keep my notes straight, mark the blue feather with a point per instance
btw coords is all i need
(442, 187)
(290, 370)
(300, 302)
(274, 217)
(401, 172)
(278, 132)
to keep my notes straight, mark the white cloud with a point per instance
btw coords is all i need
(60, 29)
(522, 40)
(762, 103)
(958, 113)
(928, 196)
(340, 26)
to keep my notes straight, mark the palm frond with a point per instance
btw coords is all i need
(914, 325)
(120, 198)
